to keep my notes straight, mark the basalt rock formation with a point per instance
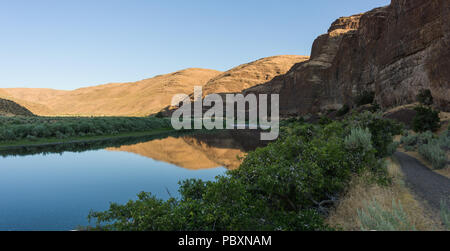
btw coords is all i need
(395, 51)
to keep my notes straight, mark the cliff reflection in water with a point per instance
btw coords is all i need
(200, 151)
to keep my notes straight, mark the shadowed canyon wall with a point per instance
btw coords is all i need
(394, 51)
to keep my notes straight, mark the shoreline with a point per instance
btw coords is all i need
(54, 142)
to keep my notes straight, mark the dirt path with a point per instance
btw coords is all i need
(430, 186)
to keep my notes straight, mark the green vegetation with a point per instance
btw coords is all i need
(425, 97)
(359, 138)
(40, 129)
(325, 120)
(288, 185)
(159, 115)
(445, 214)
(374, 218)
(434, 154)
(426, 119)
(444, 140)
(343, 111)
(411, 141)
(432, 148)
(365, 98)
(382, 131)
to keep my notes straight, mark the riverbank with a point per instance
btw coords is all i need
(86, 139)
(40, 131)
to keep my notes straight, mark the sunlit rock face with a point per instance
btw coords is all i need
(395, 51)
(196, 152)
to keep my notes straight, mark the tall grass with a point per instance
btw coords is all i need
(359, 138)
(445, 214)
(375, 218)
(432, 148)
(434, 154)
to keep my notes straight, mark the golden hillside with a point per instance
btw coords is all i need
(187, 153)
(121, 99)
(251, 74)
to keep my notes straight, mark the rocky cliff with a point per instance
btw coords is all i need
(394, 51)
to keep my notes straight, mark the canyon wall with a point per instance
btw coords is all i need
(394, 51)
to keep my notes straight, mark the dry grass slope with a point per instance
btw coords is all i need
(119, 99)
(255, 73)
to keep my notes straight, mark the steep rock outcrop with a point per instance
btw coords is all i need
(395, 51)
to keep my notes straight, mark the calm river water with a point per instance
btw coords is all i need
(54, 188)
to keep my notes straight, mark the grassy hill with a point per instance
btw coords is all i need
(118, 99)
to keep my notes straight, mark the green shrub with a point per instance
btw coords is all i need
(444, 140)
(7, 135)
(375, 108)
(445, 214)
(382, 130)
(343, 111)
(392, 148)
(425, 138)
(159, 115)
(409, 142)
(425, 97)
(288, 185)
(374, 218)
(325, 120)
(18, 128)
(359, 139)
(365, 98)
(426, 119)
(434, 153)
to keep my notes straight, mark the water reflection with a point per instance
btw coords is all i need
(55, 187)
(199, 151)
(190, 150)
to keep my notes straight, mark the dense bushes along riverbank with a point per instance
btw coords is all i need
(34, 128)
(288, 185)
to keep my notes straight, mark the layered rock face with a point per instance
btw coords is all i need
(395, 51)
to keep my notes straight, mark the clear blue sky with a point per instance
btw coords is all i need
(67, 44)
